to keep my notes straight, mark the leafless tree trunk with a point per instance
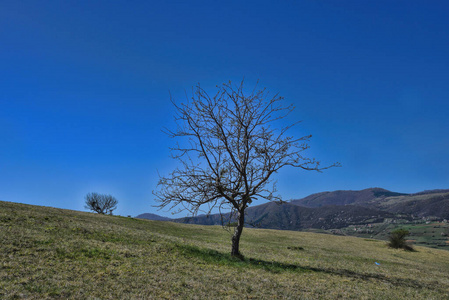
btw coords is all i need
(230, 152)
(237, 233)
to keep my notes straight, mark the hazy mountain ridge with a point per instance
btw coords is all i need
(153, 217)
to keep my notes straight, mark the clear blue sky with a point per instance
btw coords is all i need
(84, 90)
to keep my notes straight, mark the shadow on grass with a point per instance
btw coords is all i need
(215, 257)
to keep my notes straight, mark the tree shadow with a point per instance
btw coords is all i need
(216, 257)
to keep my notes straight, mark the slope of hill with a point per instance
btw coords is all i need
(432, 203)
(54, 253)
(153, 217)
(437, 191)
(420, 205)
(362, 197)
(293, 217)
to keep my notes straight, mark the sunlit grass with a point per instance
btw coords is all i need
(53, 253)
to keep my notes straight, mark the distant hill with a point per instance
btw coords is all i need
(293, 217)
(153, 217)
(334, 210)
(287, 216)
(437, 191)
(432, 203)
(362, 197)
(420, 205)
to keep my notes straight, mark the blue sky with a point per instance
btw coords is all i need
(84, 90)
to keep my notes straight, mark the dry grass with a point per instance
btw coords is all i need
(54, 253)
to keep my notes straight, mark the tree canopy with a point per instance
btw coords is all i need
(99, 203)
(232, 148)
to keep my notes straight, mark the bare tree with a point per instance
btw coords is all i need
(231, 153)
(102, 204)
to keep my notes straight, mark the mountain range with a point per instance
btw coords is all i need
(336, 209)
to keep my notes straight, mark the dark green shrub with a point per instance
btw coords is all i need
(397, 240)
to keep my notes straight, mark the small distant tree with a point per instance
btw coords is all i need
(102, 204)
(397, 240)
(233, 148)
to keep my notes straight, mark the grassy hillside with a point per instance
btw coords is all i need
(54, 253)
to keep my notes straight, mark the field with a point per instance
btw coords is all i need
(429, 234)
(55, 253)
